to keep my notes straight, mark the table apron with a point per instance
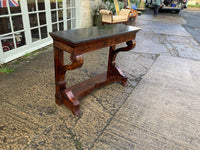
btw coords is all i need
(94, 44)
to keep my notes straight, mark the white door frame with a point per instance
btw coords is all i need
(32, 46)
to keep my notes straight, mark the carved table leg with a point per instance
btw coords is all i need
(115, 73)
(59, 75)
(63, 94)
(69, 96)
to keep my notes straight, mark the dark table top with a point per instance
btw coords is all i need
(81, 35)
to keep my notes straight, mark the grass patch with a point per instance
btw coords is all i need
(194, 6)
(78, 145)
(6, 70)
(30, 55)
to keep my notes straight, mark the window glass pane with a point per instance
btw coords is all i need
(68, 13)
(14, 6)
(54, 27)
(42, 18)
(60, 14)
(53, 4)
(43, 32)
(53, 16)
(68, 3)
(73, 12)
(20, 39)
(60, 4)
(33, 20)
(3, 11)
(73, 23)
(41, 5)
(61, 27)
(69, 24)
(73, 3)
(5, 25)
(31, 5)
(17, 23)
(35, 35)
(7, 42)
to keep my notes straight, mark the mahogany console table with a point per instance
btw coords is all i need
(79, 41)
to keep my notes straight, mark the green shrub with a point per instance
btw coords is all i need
(196, 6)
(6, 70)
(111, 6)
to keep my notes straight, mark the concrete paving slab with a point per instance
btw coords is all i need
(150, 43)
(185, 47)
(32, 120)
(162, 112)
(192, 18)
(164, 35)
(170, 25)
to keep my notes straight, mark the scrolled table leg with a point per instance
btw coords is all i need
(113, 71)
(67, 95)
(71, 101)
(77, 62)
(59, 74)
(63, 94)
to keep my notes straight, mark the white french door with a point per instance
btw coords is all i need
(25, 27)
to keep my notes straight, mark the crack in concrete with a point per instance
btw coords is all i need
(77, 142)
(99, 101)
(109, 121)
(172, 50)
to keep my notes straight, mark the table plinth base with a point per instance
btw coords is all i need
(70, 96)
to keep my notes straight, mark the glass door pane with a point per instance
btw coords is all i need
(11, 26)
(5, 26)
(57, 15)
(37, 18)
(25, 23)
(41, 5)
(31, 5)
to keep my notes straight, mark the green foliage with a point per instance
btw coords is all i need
(111, 1)
(9, 67)
(135, 2)
(4, 69)
(111, 6)
(78, 145)
(121, 5)
(97, 6)
(194, 6)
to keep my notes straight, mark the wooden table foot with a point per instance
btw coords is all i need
(58, 101)
(70, 101)
(114, 71)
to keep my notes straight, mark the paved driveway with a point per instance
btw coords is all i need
(158, 110)
(193, 22)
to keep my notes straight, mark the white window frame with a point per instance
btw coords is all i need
(32, 46)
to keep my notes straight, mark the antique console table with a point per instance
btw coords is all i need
(79, 41)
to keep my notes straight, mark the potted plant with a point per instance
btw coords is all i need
(111, 6)
(96, 7)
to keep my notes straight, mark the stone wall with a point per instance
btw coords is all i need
(85, 12)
